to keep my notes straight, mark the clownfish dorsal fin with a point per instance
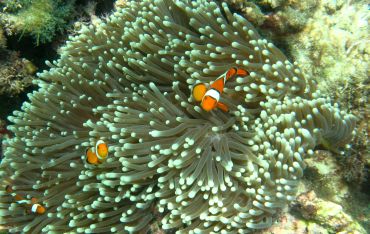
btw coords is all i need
(218, 85)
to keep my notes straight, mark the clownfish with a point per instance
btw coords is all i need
(209, 98)
(32, 204)
(98, 154)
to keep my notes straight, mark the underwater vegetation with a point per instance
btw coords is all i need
(16, 73)
(128, 81)
(40, 19)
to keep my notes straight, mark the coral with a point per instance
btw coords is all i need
(249, 10)
(354, 165)
(16, 74)
(276, 17)
(338, 178)
(41, 19)
(128, 80)
(324, 171)
(290, 224)
(328, 214)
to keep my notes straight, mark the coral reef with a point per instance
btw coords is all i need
(333, 48)
(41, 19)
(290, 224)
(16, 73)
(327, 175)
(128, 80)
(324, 172)
(327, 214)
(276, 17)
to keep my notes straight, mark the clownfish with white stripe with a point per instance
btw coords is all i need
(97, 154)
(31, 205)
(210, 98)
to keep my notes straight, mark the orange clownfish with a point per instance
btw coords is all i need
(98, 154)
(32, 205)
(210, 98)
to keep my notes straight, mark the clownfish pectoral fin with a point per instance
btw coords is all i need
(91, 157)
(218, 85)
(198, 91)
(222, 106)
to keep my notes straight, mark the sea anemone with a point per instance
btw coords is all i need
(127, 80)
